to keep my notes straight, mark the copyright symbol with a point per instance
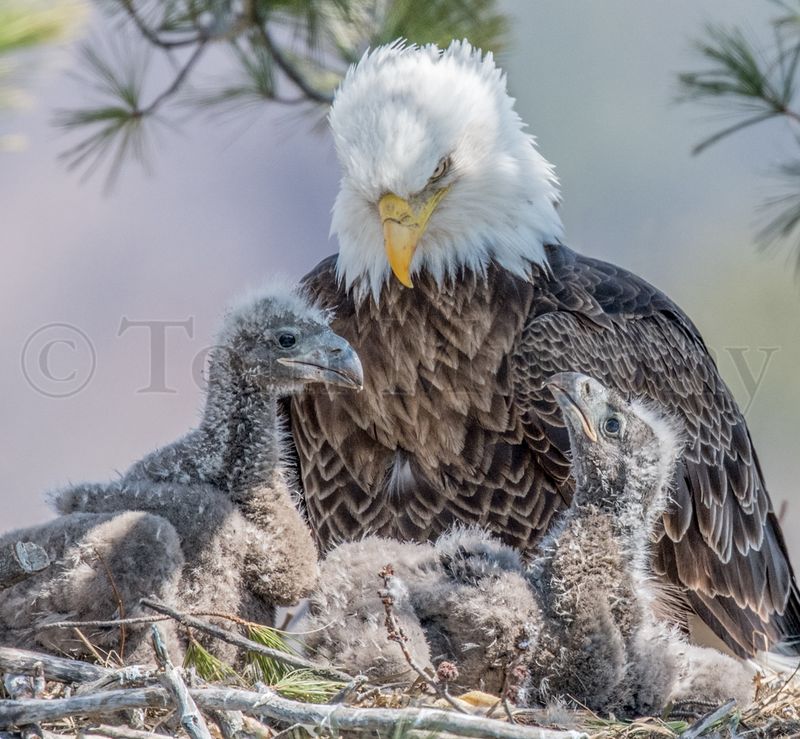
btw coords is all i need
(58, 360)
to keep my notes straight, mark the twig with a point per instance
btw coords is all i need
(708, 720)
(19, 561)
(12, 713)
(774, 697)
(39, 682)
(241, 641)
(151, 35)
(288, 68)
(104, 623)
(283, 710)
(139, 620)
(91, 647)
(352, 687)
(396, 634)
(55, 668)
(515, 675)
(177, 82)
(118, 732)
(191, 719)
(124, 677)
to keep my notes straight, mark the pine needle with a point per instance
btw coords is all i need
(208, 667)
(753, 83)
(268, 670)
(301, 685)
(305, 686)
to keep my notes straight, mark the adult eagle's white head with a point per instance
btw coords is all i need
(438, 173)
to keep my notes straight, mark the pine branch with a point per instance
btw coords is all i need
(755, 85)
(289, 70)
(326, 36)
(153, 37)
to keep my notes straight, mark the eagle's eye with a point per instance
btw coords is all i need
(441, 169)
(611, 426)
(287, 340)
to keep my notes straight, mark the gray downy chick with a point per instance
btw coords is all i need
(344, 622)
(225, 488)
(464, 599)
(600, 640)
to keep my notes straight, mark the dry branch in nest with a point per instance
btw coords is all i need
(292, 660)
(20, 561)
(191, 719)
(270, 705)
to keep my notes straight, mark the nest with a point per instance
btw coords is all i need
(277, 692)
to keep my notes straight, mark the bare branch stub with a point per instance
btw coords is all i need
(191, 719)
(55, 668)
(516, 673)
(19, 561)
(26, 687)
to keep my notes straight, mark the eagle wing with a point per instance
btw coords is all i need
(720, 543)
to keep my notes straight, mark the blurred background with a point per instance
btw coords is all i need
(229, 201)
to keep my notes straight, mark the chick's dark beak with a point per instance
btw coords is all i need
(330, 360)
(577, 395)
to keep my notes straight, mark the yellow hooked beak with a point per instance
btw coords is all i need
(403, 226)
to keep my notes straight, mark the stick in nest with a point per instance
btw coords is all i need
(19, 561)
(25, 687)
(516, 673)
(190, 717)
(396, 634)
(384, 721)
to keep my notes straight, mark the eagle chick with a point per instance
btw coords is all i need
(579, 619)
(217, 506)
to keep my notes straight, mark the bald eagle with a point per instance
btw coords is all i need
(453, 285)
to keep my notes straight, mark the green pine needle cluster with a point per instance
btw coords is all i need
(305, 686)
(297, 684)
(266, 669)
(290, 682)
(751, 83)
(207, 666)
(290, 52)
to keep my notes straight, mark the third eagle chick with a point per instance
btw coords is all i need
(601, 641)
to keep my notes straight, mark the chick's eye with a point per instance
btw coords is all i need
(612, 426)
(441, 169)
(287, 341)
